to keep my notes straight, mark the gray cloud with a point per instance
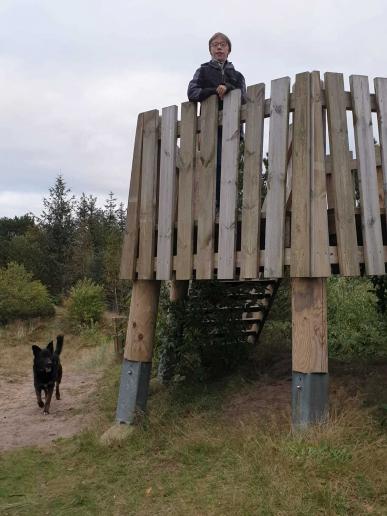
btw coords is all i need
(75, 74)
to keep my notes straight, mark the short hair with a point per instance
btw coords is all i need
(220, 35)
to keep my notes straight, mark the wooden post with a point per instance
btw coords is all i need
(136, 367)
(178, 290)
(310, 351)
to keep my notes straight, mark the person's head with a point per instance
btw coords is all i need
(219, 46)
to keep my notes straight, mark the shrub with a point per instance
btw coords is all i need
(85, 304)
(199, 338)
(355, 328)
(22, 297)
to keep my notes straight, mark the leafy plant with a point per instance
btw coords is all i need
(85, 304)
(22, 297)
(355, 328)
(200, 337)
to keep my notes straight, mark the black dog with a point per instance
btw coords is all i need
(47, 371)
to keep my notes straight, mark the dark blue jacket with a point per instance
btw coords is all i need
(210, 75)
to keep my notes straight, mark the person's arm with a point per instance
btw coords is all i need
(243, 88)
(195, 92)
(241, 85)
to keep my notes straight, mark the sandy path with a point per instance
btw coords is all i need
(22, 422)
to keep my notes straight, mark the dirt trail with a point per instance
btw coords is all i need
(22, 422)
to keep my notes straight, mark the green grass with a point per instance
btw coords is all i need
(189, 458)
(193, 455)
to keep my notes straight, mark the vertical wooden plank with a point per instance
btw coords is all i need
(166, 192)
(309, 325)
(381, 105)
(275, 211)
(130, 241)
(228, 187)
(185, 224)
(145, 265)
(320, 266)
(368, 184)
(252, 177)
(341, 175)
(300, 243)
(206, 199)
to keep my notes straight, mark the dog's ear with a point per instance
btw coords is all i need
(50, 347)
(36, 350)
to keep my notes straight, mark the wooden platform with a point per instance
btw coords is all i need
(319, 211)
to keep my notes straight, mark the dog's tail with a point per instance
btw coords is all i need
(59, 344)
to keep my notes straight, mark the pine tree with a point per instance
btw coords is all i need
(57, 220)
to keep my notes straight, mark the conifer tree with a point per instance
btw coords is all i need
(57, 220)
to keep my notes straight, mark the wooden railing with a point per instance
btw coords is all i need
(322, 214)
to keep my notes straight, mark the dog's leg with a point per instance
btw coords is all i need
(49, 392)
(57, 393)
(58, 380)
(39, 397)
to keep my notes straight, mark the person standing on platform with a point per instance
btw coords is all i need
(217, 77)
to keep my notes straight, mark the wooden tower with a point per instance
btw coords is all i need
(323, 214)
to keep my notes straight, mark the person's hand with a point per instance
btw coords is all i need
(221, 90)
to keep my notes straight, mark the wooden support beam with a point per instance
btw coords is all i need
(309, 325)
(310, 352)
(142, 321)
(137, 363)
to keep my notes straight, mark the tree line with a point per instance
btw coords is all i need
(72, 239)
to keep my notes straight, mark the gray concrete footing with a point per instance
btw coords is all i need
(133, 394)
(309, 399)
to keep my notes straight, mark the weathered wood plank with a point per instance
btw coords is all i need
(130, 241)
(252, 178)
(320, 266)
(167, 187)
(301, 187)
(368, 184)
(185, 223)
(381, 104)
(275, 211)
(309, 325)
(206, 198)
(228, 186)
(148, 196)
(342, 180)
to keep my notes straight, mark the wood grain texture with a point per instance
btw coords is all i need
(319, 266)
(309, 325)
(185, 222)
(301, 174)
(275, 211)
(145, 265)
(206, 194)
(252, 178)
(381, 104)
(130, 241)
(228, 186)
(167, 188)
(142, 321)
(368, 184)
(342, 180)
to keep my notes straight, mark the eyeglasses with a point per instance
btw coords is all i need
(220, 44)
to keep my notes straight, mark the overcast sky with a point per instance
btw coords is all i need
(74, 74)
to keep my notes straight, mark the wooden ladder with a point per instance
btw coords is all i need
(254, 299)
(247, 302)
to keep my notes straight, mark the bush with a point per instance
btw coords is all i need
(355, 328)
(21, 297)
(199, 338)
(85, 304)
